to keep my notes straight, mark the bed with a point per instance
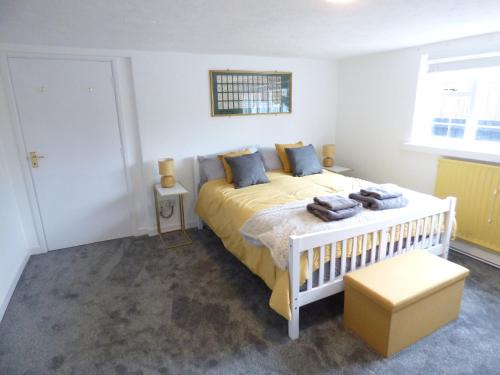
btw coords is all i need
(311, 274)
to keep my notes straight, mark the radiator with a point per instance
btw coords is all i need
(477, 188)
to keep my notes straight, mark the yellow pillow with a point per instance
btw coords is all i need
(280, 149)
(225, 164)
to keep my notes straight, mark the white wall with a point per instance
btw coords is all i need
(376, 96)
(166, 106)
(13, 241)
(173, 101)
(165, 99)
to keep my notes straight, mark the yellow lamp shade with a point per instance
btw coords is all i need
(329, 151)
(166, 167)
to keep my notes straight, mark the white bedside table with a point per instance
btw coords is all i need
(338, 169)
(176, 191)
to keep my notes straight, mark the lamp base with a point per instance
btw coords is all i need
(328, 162)
(167, 181)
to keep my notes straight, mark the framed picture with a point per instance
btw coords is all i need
(245, 92)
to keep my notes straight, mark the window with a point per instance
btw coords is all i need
(459, 106)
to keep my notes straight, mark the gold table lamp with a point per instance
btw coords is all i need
(166, 168)
(328, 155)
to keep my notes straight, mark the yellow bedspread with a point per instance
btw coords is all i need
(225, 209)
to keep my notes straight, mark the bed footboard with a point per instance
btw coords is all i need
(427, 229)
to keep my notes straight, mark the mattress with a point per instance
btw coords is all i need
(225, 209)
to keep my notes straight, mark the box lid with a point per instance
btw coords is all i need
(404, 279)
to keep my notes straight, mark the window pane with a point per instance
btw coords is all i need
(440, 130)
(441, 120)
(489, 122)
(488, 106)
(488, 134)
(463, 105)
(451, 104)
(456, 131)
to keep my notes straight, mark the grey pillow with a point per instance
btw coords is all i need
(270, 158)
(247, 170)
(303, 161)
(212, 169)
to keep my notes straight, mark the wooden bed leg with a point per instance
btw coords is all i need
(450, 216)
(293, 324)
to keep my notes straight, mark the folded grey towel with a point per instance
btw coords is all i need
(386, 191)
(335, 202)
(379, 204)
(327, 215)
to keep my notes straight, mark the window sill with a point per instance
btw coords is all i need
(491, 156)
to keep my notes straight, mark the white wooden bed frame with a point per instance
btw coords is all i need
(432, 239)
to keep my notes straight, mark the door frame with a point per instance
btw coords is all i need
(22, 149)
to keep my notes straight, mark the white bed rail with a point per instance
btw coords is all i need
(432, 228)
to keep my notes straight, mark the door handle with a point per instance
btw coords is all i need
(34, 159)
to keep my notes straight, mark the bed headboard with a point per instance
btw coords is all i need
(197, 186)
(196, 174)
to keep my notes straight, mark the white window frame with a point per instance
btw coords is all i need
(421, 137)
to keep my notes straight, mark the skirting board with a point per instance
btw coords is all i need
(37, 250)
(476, 252)
(5, 302)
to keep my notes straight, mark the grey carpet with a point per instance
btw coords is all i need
(130, 307)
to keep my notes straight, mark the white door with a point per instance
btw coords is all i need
(68, 115)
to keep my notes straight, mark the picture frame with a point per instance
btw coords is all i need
(250, 92)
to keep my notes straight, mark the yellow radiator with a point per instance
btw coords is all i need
(476, 186)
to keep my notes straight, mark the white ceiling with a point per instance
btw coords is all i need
(305, 28)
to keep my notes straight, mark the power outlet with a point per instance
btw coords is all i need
(167, 208)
